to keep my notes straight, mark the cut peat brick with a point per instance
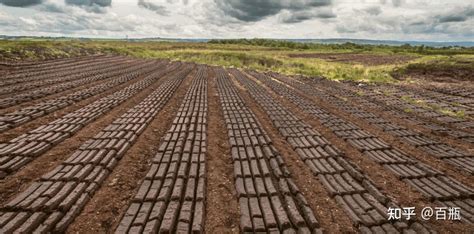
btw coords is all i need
(119, 144)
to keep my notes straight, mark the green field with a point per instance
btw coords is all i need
(258, 54)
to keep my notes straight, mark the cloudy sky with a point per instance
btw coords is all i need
(438, 20)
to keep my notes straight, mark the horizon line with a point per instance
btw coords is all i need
(237, 38)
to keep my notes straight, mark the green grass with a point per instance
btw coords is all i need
(349, 47)
(459, 114)
(262, 55)
(277, 61)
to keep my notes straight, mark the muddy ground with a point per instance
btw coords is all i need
(454, 73)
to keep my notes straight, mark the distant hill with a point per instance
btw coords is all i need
(386, 42)
(339, 41)
(322, 41)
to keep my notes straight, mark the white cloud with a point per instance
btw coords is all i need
(157, 8)
(439, 23)
(384, 19)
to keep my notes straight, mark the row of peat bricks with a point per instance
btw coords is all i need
(434, 184)
(52, 203)
(171, 198)
(350, 187)
(25, 148)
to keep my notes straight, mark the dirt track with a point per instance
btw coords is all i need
(147, 145)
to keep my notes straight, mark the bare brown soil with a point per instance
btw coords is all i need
(445, 138)
(19, 181)
(107, 206)
(448, 76)
(330, 215)
(439, 72)
(405, 147)
(222, 211)
(365, 59)
(14, 132)
(399, 191)
(49, 97)
(104, 210)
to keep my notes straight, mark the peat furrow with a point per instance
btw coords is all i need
(455, 103)
(456, 138)
(457, 157)
(105, 209)
(52, 203)
(57, 74)
(406, 115)
(423, 96)
(29, 113)
(89, 71)
(269, 199)
(25, 65)
(25, 148)
(400, 102)
(25, 74)
(375, 101)
(54, 89)
(452, 91)
(354, 191)
(436, 110)
(43, 67)
(171, 198)
(222, 209)
(436, 127)
(435, 185)
(39, 64)
(55, 77)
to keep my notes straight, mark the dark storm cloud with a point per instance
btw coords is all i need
(453, 18)
(451, 21)
(161, 10)
(256, 10)
(457, 16)
(20, 3)
(94, 6)
(102, 3)
(51, 7)
(299, 16)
